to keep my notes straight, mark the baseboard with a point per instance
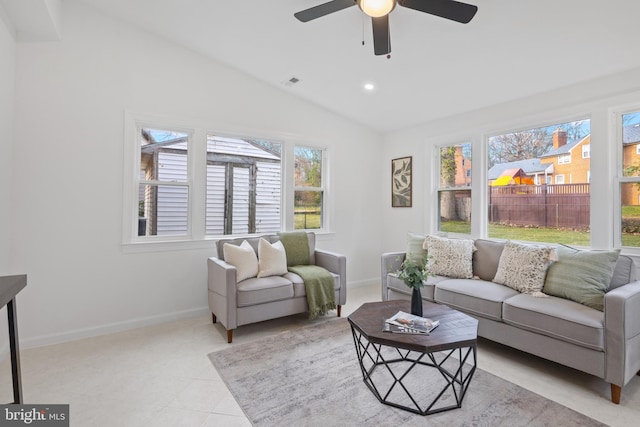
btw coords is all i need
(363, 283)
(77, 334)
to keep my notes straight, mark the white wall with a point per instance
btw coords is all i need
(71, 98)
(597, 99)
(7, 62)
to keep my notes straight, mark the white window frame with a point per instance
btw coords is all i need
(197, 131)
(324, 216)
(439, 189)
(638, 148)
(559, 177)
(616, 126)
(564, 159)
(586, 151)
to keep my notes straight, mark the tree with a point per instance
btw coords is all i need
(521, 145)
(447, 180)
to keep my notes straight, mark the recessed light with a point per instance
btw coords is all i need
(369, 87)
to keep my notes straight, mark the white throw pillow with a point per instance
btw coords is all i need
(272, 259)
(524, 267)
(450, 257)
(243, 258)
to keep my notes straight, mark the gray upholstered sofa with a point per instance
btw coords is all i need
(602, 343)
(257, 299)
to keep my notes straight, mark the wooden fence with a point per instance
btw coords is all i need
(562, 205)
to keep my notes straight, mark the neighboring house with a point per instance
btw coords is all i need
(532, 167)
(630, 194)
(463, 169)
(571, 162)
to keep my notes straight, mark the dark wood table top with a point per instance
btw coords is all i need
(10, 286)
(456, 329)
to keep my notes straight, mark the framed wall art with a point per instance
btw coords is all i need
(401, 185)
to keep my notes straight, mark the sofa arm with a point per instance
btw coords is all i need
(622, 333)
(336, 264)
(390, 262)
(222, 291)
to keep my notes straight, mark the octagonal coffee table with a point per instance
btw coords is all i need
(420, 373)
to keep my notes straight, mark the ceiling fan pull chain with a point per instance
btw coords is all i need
(363, 19)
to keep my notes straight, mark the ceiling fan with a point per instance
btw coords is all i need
(379, 11)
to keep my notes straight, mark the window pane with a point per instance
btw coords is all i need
(630, 191)
(308, 204)
(460, 202)
(454, 206)
(163, 155)
(308, 167)
(243, 186)
(163, 210)
(630, 194)
(523, 204)
(308, 210)
(631, 144)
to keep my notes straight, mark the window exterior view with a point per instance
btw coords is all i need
(538, 184)
(454, 191)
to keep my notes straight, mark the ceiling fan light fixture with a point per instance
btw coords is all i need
(377, 8)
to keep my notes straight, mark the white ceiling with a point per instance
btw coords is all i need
(438, 68)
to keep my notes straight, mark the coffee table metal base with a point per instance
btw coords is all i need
(386, 372)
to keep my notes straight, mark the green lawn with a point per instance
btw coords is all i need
(303, 220)
(547, 235)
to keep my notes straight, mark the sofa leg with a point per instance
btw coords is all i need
(213, 318)
(339, 310)
(616, 391)
(229, 335)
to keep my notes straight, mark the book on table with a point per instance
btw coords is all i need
(406, 323)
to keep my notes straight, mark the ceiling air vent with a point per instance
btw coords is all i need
(291, 81)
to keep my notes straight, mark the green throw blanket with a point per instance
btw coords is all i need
(318, 283)
(296, 246)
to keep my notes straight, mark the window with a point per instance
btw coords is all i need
(309, 193)
(243, 186)
(163, 184)
(454, 192)
(630, 179)
(586, 151)
(637, 148)
(520, 209)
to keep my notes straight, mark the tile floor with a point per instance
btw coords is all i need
(161, 376)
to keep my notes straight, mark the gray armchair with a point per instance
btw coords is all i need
(257, 299)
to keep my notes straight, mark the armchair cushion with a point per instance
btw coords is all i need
(272, 259)
(243, 258)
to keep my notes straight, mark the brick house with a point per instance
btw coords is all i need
(630, 193)
(571, 162)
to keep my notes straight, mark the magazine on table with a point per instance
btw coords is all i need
(406, 323)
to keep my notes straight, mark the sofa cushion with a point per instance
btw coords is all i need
(450, 257)
(558, 318)
(415, 250)
(581, 276)
(296, 245)
(243, 258)
(272, 259)
(625, 272)
(312, 245)
(253, 241)
(524, 267)
(486, 258)
(266, 289)
(393, 282)
(478, 297)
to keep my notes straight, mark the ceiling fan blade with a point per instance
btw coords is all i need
(323, 9)
(381, 35)
(448, 9)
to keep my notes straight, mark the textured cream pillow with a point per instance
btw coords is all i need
(272, 259)
(243, 258)
(450, 257)
(524, 267)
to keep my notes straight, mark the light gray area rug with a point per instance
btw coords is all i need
(311, 377)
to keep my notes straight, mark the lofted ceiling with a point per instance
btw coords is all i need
(438, 68)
